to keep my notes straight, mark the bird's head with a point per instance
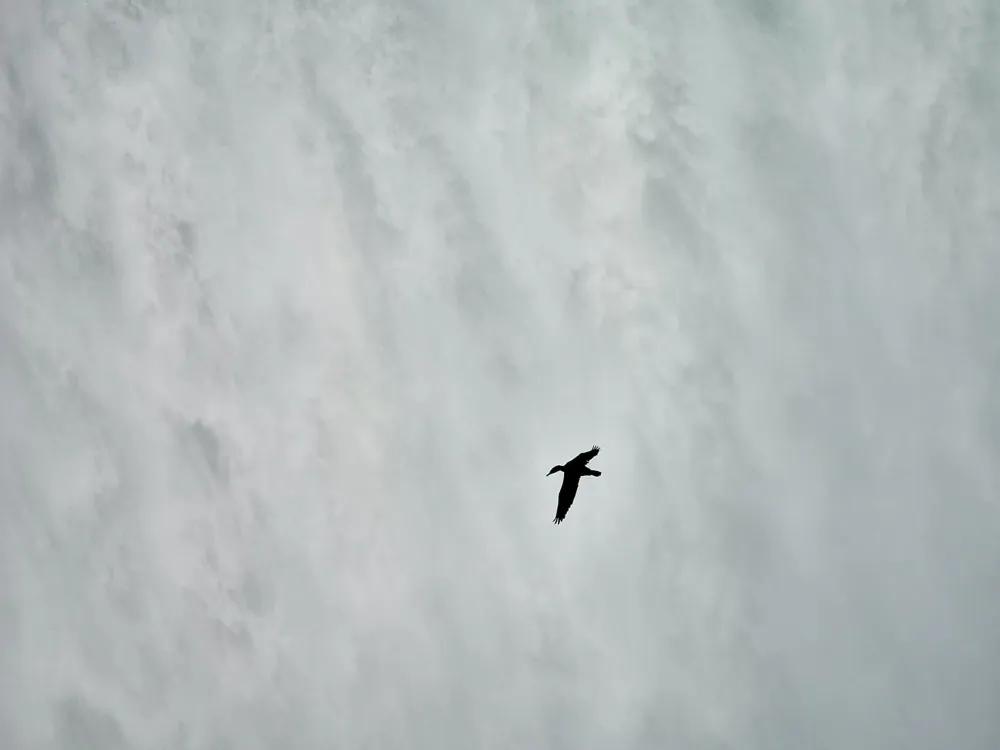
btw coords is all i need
(553, 470)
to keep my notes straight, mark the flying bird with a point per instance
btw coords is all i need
(572, 472)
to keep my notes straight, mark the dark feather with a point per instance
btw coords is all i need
(567, 493)
(572, 472)
(584, 458)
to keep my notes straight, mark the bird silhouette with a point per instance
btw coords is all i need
(572, 472)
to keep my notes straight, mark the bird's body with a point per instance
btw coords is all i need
(572, 472)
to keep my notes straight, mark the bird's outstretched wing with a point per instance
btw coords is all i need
(566, 494)
(585, 457)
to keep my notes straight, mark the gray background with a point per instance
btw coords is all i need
(299, 302)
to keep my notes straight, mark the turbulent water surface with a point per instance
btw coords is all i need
(299, 302)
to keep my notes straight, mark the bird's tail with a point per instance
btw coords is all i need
(593, 472)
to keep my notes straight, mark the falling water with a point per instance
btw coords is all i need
(300, 301)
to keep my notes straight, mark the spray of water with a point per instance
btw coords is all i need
(300, 301)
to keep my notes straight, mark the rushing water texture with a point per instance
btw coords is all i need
(299, 302)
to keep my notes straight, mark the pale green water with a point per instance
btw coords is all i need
(300, 301)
